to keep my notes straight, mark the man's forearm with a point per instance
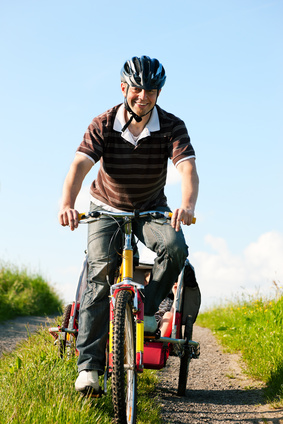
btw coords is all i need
(74, 179)
(190, 185)
(71, 188)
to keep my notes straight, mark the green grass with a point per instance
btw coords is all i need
(23, 294)
(253, 327)
(37, 387)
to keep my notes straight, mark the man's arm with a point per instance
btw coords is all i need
(79, 168)
(190, 184)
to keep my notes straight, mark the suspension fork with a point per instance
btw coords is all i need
(126, 274)
(139, 316)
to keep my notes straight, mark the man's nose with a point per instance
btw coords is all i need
(142, 94)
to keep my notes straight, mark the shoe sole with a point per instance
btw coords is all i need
(89, 391)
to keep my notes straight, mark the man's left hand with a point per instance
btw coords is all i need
(181, 215)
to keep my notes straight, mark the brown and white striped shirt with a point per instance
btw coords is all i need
(133, 176)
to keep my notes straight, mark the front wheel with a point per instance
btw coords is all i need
(124, 374)
(186, 358)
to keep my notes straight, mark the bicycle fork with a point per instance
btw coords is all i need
(125, 282)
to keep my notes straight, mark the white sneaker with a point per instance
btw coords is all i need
(150, 324)
(87, 380)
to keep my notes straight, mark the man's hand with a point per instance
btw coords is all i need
(68, 216)
(181, 215)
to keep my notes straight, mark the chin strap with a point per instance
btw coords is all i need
(133, 116)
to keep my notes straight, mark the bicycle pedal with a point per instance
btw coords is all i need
(196, 352)
(155, 335)
(90, 392)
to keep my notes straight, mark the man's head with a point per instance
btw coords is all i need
(141, 82)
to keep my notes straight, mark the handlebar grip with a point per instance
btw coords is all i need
(193, 220)
(81, 216)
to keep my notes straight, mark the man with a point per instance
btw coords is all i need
(133, 142)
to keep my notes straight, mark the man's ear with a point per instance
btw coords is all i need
(124, 86)
(159, 92)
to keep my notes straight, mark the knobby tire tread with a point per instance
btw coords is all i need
(185, 359)
(123, 319)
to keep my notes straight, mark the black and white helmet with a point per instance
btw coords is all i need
(144, 72)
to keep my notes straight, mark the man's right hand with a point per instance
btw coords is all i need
(68, 216)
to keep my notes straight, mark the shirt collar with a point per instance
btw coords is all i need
(152, 125)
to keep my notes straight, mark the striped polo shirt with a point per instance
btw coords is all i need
(132, 172)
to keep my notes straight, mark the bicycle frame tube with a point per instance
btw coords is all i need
(127, 264)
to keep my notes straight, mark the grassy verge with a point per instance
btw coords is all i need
(37, 387)
(253, 327)
(25, 294)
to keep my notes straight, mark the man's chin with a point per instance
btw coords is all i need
(140, 112)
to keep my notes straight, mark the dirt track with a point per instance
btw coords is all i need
(218, 391)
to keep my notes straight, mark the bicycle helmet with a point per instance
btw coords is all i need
(144, 72)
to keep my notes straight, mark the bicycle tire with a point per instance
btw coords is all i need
(124, 373)
(186, 358)
(65, 323)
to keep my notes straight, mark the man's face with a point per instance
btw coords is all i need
(140, 101)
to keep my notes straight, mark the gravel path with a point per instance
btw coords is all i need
(13, 331)
(217, 391)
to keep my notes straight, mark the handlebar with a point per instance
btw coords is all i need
(155, 214)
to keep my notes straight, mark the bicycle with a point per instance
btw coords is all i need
(129, 349)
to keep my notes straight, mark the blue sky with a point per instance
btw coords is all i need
(60, 68)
